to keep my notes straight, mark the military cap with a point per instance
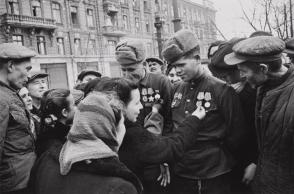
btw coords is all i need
(256, 49)
(35, 75)
(88, 72)
(179, 44)
(129, 52)
(15, 51)
(290, 46)
(154, 59)
(214, 47)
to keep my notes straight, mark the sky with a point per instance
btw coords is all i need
(229, 17)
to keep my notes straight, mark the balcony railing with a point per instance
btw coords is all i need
(28, 21)
(113, 31)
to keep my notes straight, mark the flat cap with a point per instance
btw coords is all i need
(128, 52)
(35, 75)
(290, 46)
(179, 44)
(217, 59)
(155, 59)
(15, 51)
(88, 72)
(256, 49)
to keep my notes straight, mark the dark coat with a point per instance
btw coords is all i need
(221, 132)
(103, 176)
(17, 143)
(275, 132)
(50, 136)
(141, 148)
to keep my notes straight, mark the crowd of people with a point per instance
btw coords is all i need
(221, 128)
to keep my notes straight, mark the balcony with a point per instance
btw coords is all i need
(27, 21)
(113, 31)
(110, 7)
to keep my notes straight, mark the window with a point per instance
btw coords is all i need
(136, 4)
(17, 39)
(146, 6)
(90, 18)
(57, 74)
(125, 22)
(13, 6)
(111, 47)
(41, 44)
(137, 25)
(36, 8)
(77, 46)
(56, 12)
(60, 46)
(91, 47)
(74, 15)
(147, 26)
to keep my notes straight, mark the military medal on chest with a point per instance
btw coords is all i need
(207, 98)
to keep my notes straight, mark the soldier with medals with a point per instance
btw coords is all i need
(205, 168)
(131, 56)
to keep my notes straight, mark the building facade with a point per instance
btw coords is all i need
(72, 35)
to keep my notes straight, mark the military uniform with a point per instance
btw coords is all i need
(205, 167)
(154, 88)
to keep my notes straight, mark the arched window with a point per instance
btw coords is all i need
(36, 8)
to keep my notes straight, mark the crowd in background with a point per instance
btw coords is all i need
(167, 126)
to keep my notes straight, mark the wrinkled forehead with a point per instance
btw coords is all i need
(132, 66)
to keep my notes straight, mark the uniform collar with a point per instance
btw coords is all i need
(7, 86)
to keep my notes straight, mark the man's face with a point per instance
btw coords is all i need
(255, 77)
(18, 73)
(37, 87)
(172, 76)
(154, 67)
(133, 72)
(188, 68)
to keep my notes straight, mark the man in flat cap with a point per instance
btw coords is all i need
(17, 149)
(154, 88)
(246, 157)
(259, 61)
(205, 167)
(290, 50)
(154, 65)
(88, 75)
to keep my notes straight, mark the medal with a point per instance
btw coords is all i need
(151, 99)
(150, 91)
(144, 91)
(145, 99)
(200, 96)
(199, 103)
(157, 96)
(207, 104)
(180, 95)
(207, 96)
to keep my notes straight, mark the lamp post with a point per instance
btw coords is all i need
(177, 19)
(158, 25)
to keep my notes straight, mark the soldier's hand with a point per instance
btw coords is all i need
(249, 173)
(199, 112)
(156, 107)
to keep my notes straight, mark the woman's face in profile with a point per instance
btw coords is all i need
(134, 106)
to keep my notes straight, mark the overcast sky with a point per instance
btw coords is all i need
(229, 17)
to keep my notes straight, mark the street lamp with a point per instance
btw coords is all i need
(158, 25)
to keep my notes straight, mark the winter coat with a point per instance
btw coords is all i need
(141, 148)
(17, 143)
(103, 176)
(275, 132)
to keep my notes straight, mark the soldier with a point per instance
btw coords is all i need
(204, 168)
(259, 61)
(17, 147)
(290, 50)
(153, 88)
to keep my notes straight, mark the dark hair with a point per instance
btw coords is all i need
(122, 86)
(52, 103)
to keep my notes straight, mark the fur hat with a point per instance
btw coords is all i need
(128, 52)
(178, 45)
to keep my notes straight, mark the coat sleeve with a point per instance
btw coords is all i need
(231, 109)
(152, 149)
(4, 119)
(154, 123)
